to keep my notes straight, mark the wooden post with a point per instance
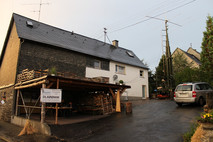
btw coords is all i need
(56, 110)
(43, 107)
(111, 104)
(17, 100)
(102, 103)
(118, 102)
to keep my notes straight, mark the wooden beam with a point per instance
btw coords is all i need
(110, 89)
(118, 102)
(27, 82)
(50, 85)
(27, 115)
(17, 100)
(43, 105)
(30, 85)
(113, 94)
(87, 83)
(56, 110)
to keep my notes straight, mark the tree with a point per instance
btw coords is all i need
(207, 51)
(179, 63)
(187, 74)
(183, 71)
(152, 84)
(160, 75)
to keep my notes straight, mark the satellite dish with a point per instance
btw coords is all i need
(115, 77)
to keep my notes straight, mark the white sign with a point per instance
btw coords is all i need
(2, 101)
(51, 95)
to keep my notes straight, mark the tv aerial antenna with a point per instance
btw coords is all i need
(106, 36)
(40, 5)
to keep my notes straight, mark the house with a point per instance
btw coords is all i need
(191, 55)
(33, 45)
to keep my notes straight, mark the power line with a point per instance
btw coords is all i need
(153, 16)
(164, 20)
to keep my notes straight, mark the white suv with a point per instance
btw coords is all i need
(192, 93)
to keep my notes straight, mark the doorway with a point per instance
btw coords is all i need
(143, 91)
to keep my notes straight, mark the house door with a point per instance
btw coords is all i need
(143, 91)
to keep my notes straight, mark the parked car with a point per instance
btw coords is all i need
(192, 93)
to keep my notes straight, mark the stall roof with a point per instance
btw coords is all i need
(70, 84)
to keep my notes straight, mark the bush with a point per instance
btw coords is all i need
(188, 135)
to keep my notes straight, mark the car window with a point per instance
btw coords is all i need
(202, 86)
(197, 87)
(208, 87)
(184, 88)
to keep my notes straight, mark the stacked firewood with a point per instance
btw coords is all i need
(97, 103)
(25, 75)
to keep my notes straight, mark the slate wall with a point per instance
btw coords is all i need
(35, 56)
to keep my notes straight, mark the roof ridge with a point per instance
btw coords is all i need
(68, 31)
(51, 35)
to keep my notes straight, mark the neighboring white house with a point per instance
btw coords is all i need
(136, 77)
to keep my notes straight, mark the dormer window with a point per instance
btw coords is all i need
(130, 53)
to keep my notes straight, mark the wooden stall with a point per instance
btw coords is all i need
(84, 95)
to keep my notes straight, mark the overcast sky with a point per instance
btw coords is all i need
(125, 20)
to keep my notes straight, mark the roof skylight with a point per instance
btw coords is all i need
(29, 23)
(130, 53)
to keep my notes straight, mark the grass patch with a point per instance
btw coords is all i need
(188, 135)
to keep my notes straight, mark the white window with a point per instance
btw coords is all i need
(141, 73)
(97, 64)
(120, 69)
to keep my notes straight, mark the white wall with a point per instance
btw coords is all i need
(131, 77)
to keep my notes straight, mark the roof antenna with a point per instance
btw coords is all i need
(39, 11)
(105, 34)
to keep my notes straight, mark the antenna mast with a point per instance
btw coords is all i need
(169, 71)
(105, 34)
(39, 11)
(167, 61)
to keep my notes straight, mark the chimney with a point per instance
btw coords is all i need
(115, 43)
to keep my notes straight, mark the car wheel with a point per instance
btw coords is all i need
(179, 104)
(201, 101)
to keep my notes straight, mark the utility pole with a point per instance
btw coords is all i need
(167, 61)
(169, 70)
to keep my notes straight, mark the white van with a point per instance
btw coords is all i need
(192, 93)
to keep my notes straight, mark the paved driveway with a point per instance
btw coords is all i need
(151, 121)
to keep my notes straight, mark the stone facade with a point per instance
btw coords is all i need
(35, 56)
(7, 95)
